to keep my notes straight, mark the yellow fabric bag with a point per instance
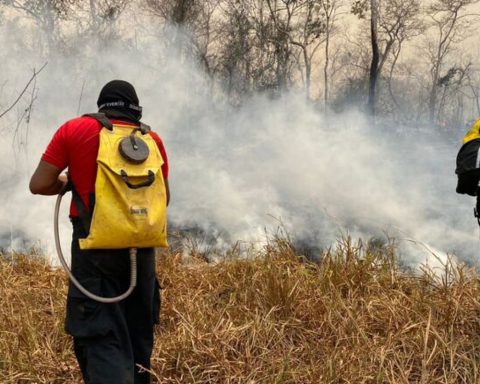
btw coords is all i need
(130, 199)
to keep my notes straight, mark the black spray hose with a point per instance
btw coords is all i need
(133, 265)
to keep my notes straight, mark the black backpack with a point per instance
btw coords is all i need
(468, 168)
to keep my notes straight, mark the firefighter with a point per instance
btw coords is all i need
(112, 342)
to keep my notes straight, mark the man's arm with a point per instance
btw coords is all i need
(47, 180)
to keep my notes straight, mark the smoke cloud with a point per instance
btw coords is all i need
(238, 171)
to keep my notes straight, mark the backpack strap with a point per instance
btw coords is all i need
(105, 121)
(85, 216)
(144, 128)
(83, 213)
(102, 119)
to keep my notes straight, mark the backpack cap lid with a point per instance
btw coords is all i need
(134, 149)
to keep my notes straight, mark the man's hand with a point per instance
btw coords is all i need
(63, 178)
(47, 180)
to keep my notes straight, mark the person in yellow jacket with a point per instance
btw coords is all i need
(112, 342)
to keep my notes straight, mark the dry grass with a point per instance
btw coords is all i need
(354, 317)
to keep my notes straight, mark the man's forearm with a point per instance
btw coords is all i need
(47, 180)
(47, 190)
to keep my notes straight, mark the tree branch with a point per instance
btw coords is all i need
(35, 74)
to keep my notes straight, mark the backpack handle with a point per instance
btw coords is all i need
(146, 183)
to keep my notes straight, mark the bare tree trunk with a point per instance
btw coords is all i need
(441, 103)
(325, 69)
(94, 15)
(447, 22)
(308, 75)
(49, 25)
(477, 99)
(432, 100)
(396, 55)
(375, 57)
(308, 71)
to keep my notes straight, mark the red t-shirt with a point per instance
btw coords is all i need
(75, 145)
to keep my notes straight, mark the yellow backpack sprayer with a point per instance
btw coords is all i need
(130, 199)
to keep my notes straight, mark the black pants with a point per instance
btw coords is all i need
(111, 341)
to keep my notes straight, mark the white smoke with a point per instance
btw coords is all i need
(236, 171)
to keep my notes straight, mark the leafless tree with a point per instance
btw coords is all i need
(392, 22)
(359, 8)
(192, 23)
(262, 31)
(45, 13)
(331, 10)
(24, 90)
(282, 14)
(473, 84)
(400, 21)
(374, 67)
(104, 13)
(450, 24)
(454, 89)
(181, 14)
(237, 51)
(307, 33)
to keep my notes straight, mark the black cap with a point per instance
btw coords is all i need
(119, 96)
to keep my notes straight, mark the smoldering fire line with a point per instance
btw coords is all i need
(236, 171)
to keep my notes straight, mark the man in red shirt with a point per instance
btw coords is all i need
(111, 341)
